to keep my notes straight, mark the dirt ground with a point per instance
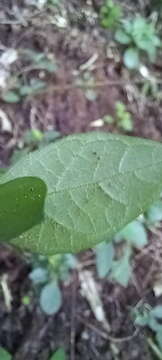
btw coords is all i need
(25, 331)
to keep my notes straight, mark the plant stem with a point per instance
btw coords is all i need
(155, 348)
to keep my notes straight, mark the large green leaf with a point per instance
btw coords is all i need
(21, 206)
(97, 183)
(59, 355)
(4, 355)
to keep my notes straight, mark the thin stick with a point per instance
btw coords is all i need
(154, 348)
(97, 85)
(105, 335)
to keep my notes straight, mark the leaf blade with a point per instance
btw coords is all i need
(4, 355)
(104, 258)
(131, 58)
(51, 298)
(21, 205)
(97, 184)
(59, 355)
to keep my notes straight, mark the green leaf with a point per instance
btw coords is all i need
(46, 65)
(151, 51)
(70, 261)
(139, 27)
(4, 355)
(51, 298)
(32, 88)
(26, 300)
(157, 312)
(55, 2)
(144, 34)
(131, 58)
(59, 355)
(21, 206)
(32, 55)
(135, 233)
(122, 37)
(104, 258)
(154, 214)
(154, 324)
(38, 275)
(126, 123)
(97, 183)
(127, 26)
(55, 261)
(110, 13)
(142, 320)
(159, 339)
(121, 269)
(33, 136)
(120, 109)
(11, 97)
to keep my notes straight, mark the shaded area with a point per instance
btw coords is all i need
(28, 333)
(89, 79)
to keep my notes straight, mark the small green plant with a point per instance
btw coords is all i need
(122, 119)
(45, 277)
(151, 317)
(133, 235)
(139, 37)
(18, 86)
(110, 14)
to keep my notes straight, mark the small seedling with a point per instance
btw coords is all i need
(110, 14)
(138, 36)
(150, 317)
(45, 278)
(19, 86)
(133, 235)
(26, 300)
(122, 119)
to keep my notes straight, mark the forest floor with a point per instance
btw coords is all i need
(89, 79)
